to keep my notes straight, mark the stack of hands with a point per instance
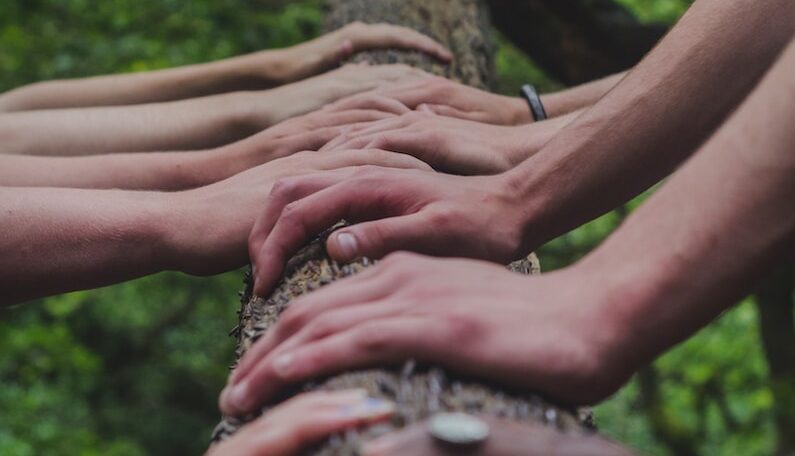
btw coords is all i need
(425, 165)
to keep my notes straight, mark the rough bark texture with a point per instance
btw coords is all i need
(418, 391)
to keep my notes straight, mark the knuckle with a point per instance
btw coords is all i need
(285, 187)
(292, 320)
(373, 339)
(462, 327)
(444, 217)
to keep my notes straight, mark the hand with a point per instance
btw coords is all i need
(478, 217)
(302, 133)
(452, 99)
(506, 438)
(538, 334)
(331, 49)
(272, 106)
(302, 421)
(448, 144)
(209, 226)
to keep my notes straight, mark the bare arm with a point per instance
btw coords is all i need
(717, 226)
(186, 169)
(255, 71)
(60, 239)
(638, 133)
(581, 96)
(656, 117)
(197, 123)
(691, 251)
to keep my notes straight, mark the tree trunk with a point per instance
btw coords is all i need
(774, 301)
(418, 391)
(576, 41)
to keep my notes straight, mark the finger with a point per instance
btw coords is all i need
(383, 342)
(282, 193)
(363, 287)
(378, 36)
(414, 93)
(449, 111)
(339, 317)
(353, 116)
(424, 145)
(304, 141)
(369, 101)
(302, 219)
(375, 239)
(259, 368)
(305, 419)
(374, 157)
(343, 141)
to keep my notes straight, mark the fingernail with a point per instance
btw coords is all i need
(237, 395)
(347, 245)
(282, 364)
(368, 408)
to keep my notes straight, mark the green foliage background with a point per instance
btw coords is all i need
(136, 368)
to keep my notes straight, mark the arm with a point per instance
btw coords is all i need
(579, 97)
(640, 131)
(452, 144)
(452, 99)
(188, 124)
(691, 251)
(181, 170)
(259, 70)
(656, 117)
(58, 239)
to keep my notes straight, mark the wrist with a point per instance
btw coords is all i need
(183, 228)
(629, 295)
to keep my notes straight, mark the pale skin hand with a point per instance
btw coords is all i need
(94, 238)
(450, 144)
(452, 99)
(255, 71)
(635, 135)
(184, 169)
(198, 123)
(665, 273)
(303, 420)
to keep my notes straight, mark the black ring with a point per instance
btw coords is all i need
(534, 101)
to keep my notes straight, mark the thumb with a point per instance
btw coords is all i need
(376, 239)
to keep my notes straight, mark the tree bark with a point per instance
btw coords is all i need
(419, 391)
(774, 301)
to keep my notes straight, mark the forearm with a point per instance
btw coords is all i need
(579, 97)
(130, 171)
(58, 240)
(165, 171)
(655, 118)
(718, 225)
(557, 104)
(190, 124)
(248, 72)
